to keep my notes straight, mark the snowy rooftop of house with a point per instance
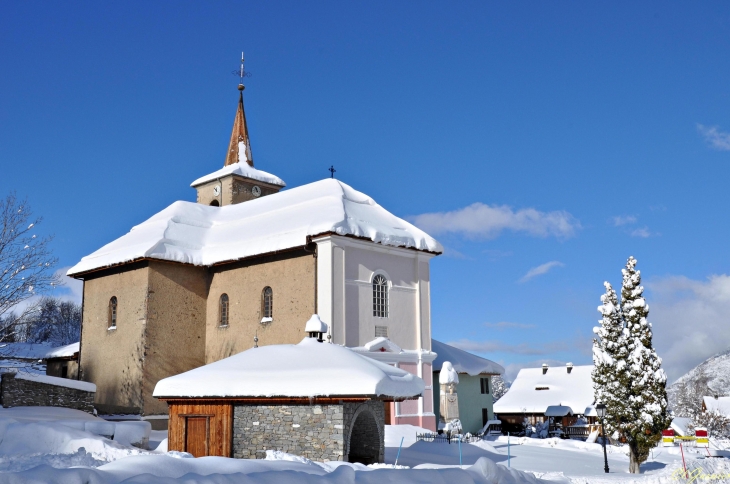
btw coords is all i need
(241, 169)
(198, 234)
(533, 392)
(63, 351)
(463, 361)
(719, 404)
(307, 369)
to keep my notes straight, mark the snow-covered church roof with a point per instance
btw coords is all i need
(463, 362)
(198, 234)
(307, 369)
(534, 391)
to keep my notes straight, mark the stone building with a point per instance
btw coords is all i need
(196, 282)
(313, 399)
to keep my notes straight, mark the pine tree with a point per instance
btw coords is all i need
(646, 406)
(499, 387)
(610, 379)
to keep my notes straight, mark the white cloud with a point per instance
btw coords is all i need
(505, 325)
(540, 270)
(620, 220)
(714, 137)
(690, 320)
(489, 221)
(642, 232)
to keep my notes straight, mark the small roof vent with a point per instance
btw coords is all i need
(544, 368)
(569, 366)
(315, 327)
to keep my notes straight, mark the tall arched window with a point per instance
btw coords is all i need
(380, 296)
(223, 310)
(267, 302)
(112, 317)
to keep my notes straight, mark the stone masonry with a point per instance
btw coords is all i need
(318, 432)
(16, 392)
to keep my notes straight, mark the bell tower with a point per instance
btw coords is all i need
(238, 181)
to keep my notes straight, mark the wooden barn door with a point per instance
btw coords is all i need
(197, 435)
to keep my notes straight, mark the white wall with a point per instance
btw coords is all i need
(345, 269)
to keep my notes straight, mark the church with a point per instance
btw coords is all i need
(243, 266)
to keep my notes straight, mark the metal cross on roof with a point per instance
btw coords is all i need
(241, 72)
(332, 171)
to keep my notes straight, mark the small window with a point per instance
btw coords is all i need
(380, 296)
(223, 310)
(381, 331)
(112, 318)
(267, 302)
(485, 385)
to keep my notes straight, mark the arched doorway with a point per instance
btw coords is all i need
(364, 441)
(214, 203)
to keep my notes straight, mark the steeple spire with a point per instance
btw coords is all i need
(239, 148)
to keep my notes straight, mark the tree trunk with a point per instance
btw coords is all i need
(633, 458)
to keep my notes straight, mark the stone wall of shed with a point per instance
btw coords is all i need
(15, 392)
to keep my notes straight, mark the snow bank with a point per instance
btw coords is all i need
(197, 234)
(54, 380)
(463, 361)
(307, 369)
(241, 169)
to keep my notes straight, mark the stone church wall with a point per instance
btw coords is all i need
(318, 432)
(16, 392)
(291, 277)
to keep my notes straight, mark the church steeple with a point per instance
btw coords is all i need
(239, 148)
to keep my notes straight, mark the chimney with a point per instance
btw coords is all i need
(569, 366)
(544, 368)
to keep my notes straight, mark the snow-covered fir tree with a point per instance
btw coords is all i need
(609, 374)
(499, 387)
(628, 376)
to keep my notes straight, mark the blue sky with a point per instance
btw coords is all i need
(583, 133)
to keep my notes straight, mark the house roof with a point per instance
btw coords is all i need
(201, 235)
(533, 392)
(64, 351)
(463, 361)
(719, 404)
(307, 369)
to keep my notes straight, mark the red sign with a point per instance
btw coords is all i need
(668, 433)
(701, 433)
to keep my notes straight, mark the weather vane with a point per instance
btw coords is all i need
(241, 72)
(332, 171)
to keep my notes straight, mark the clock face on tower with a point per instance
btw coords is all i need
(256, 191)
(216, 190)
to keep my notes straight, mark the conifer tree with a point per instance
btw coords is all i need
(627, 375)
(646, 405)
(609, 360)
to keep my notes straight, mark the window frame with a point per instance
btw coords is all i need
(224, 310)
(484, 385)
(381, 296)
(267, 303)
(113, 313)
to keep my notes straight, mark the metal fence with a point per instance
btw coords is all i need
(450, 439)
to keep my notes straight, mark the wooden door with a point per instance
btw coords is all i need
(387, 413)
(197, 435)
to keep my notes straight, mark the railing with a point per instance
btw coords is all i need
(433, 437)
(581, 432)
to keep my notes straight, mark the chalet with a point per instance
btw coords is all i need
(716, 404)
(538, 393)
(474, 390)
(317, 400)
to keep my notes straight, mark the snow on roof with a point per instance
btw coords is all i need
(24, 351)
(463, 361)
(533, 392)
(307, 369)
(719, 404)
(54, 380)
(558, 411)
(382, 344)
(63, 351)
(680, 425)
(240, 169)
(198, 234)
(315, 325)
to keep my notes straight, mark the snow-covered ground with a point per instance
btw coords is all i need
(44, 445)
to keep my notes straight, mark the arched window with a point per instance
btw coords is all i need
(380, 296)
(214, 203)
(267, 303)
(112, 317)
(223, 310)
